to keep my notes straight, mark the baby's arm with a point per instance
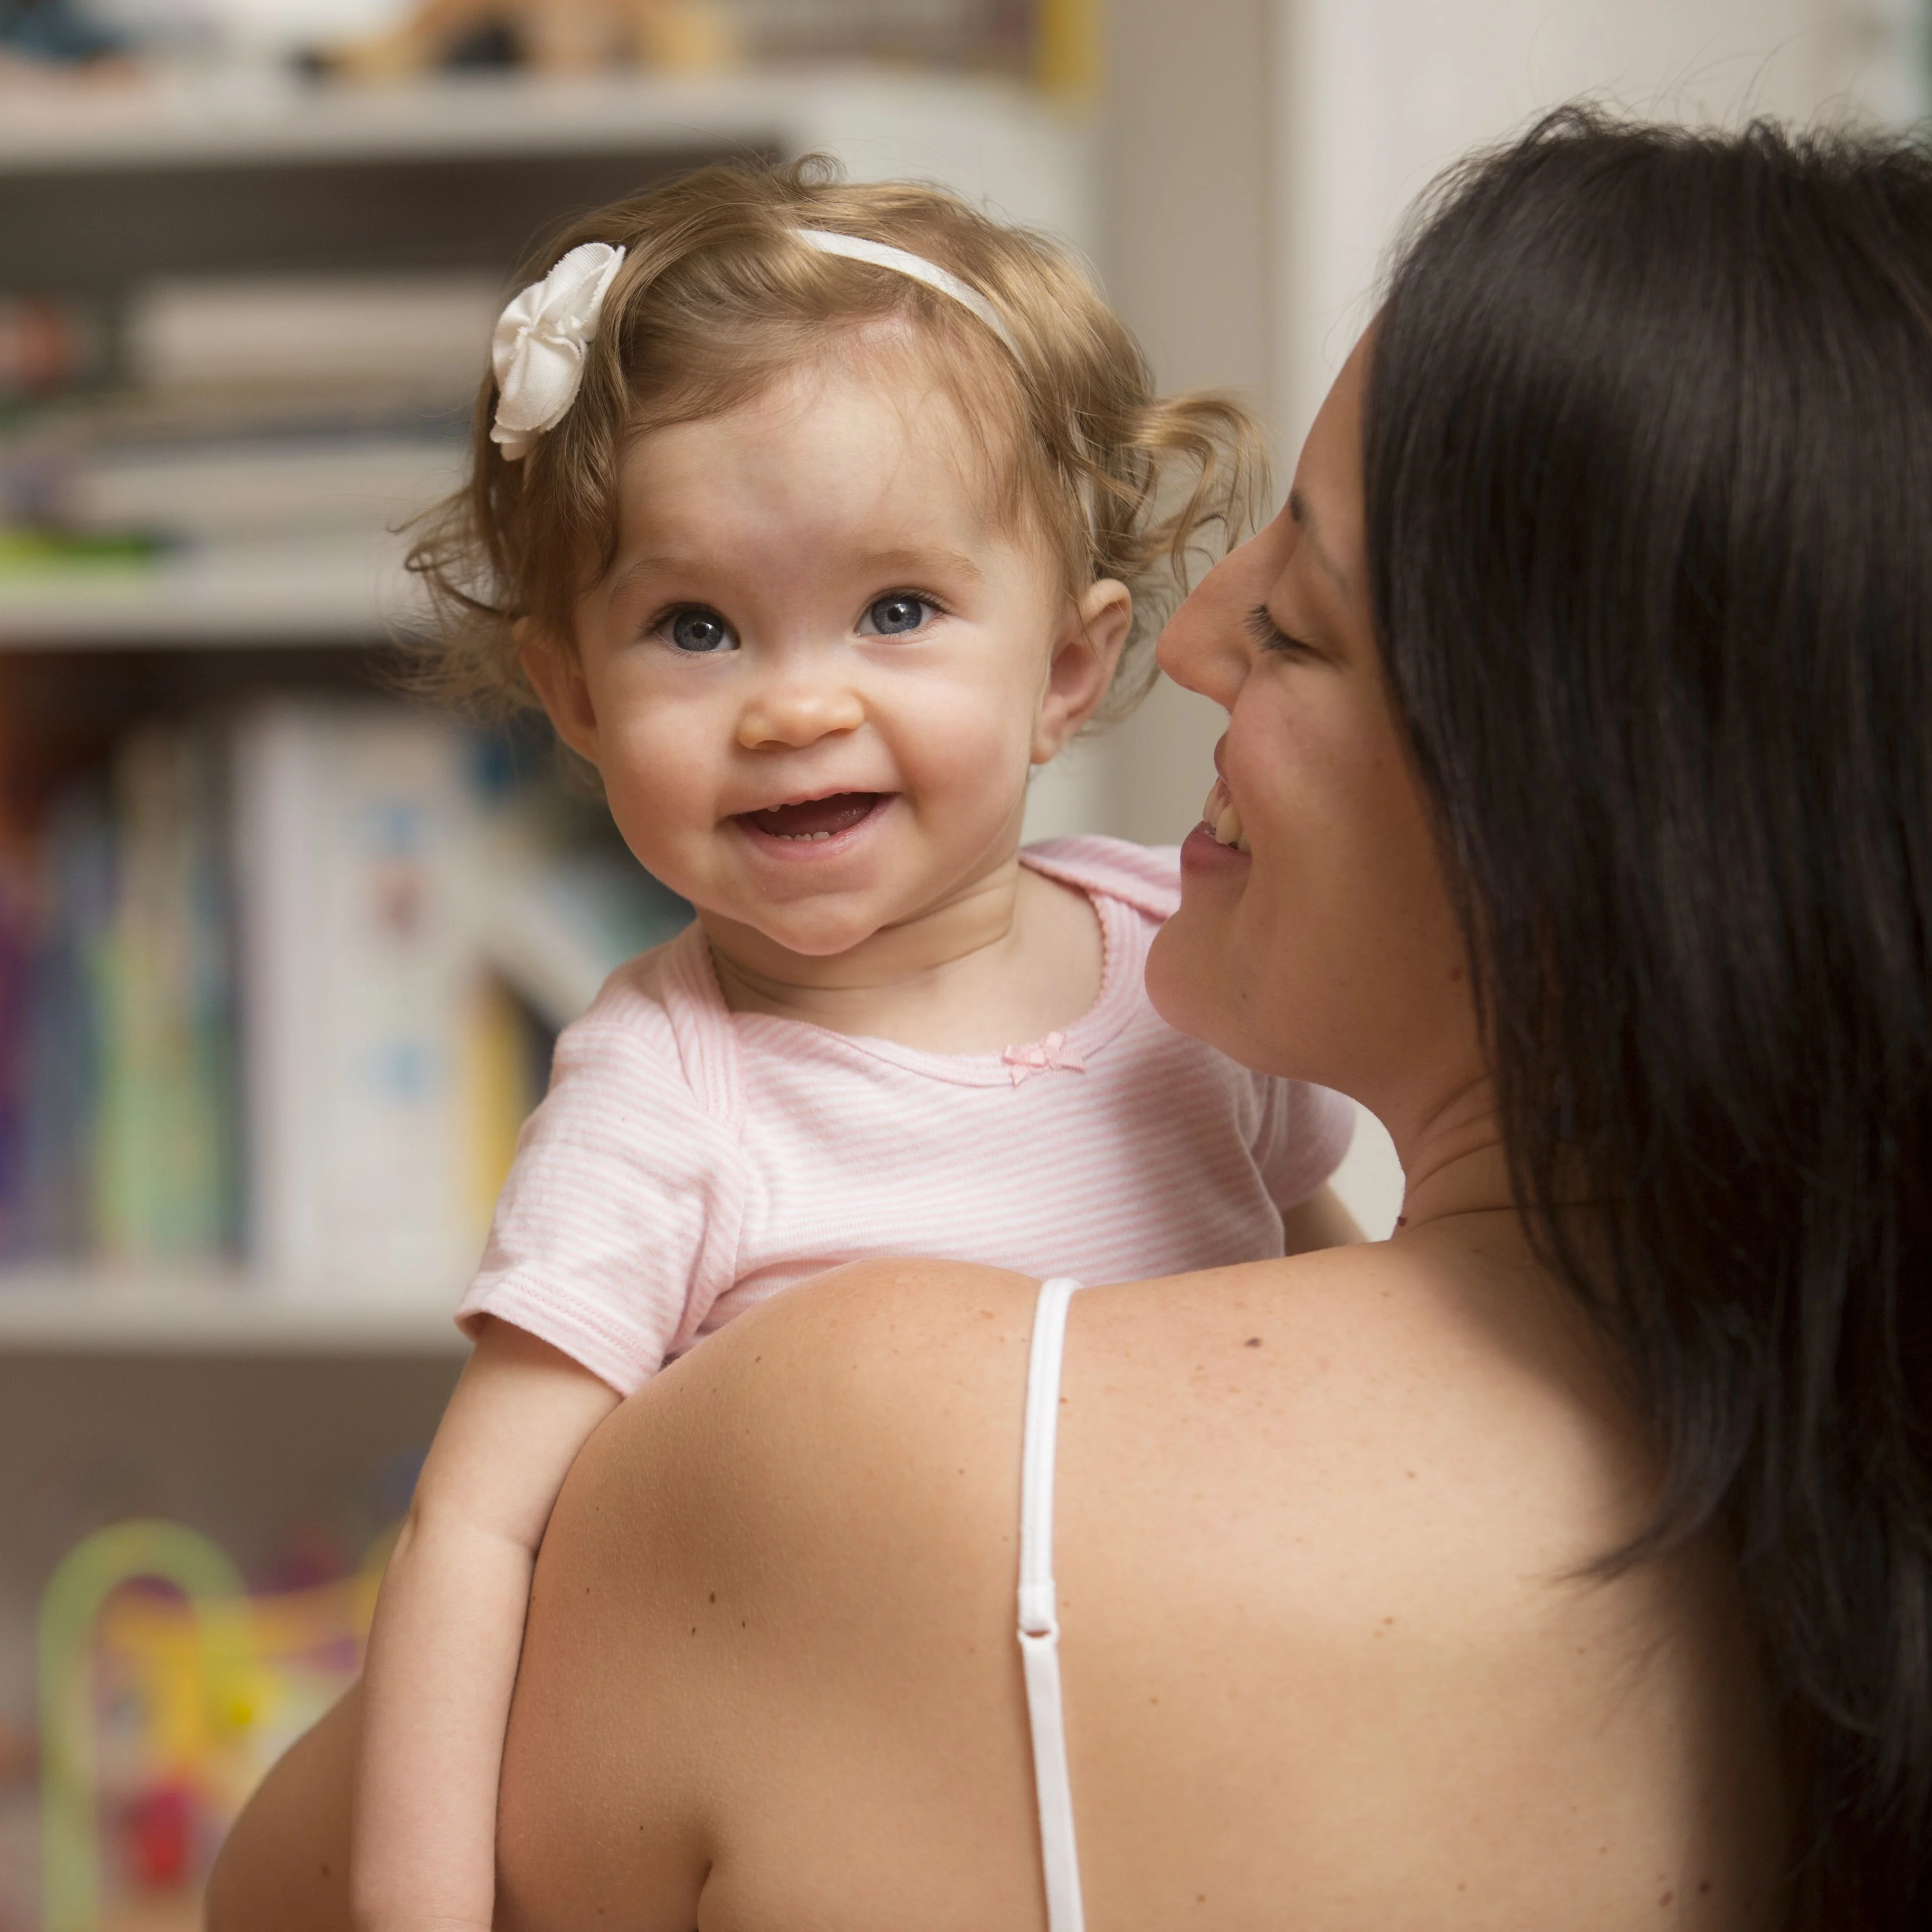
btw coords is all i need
(449, 1624)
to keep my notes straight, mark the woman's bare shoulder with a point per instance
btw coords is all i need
(1385, 1383)
(803, 1401)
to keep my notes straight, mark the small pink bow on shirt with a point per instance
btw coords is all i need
(1052, 1052)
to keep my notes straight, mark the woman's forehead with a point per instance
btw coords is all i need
(1326, 504)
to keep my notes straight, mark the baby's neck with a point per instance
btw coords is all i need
(1005, 962)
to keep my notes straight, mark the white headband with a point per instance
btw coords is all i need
(537, 350)
(901, 261)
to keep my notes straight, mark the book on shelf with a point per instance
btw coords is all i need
(211, 490)
(164, 1168)
(359, 983)
(239, 411)
(225, 332)
(278, 987)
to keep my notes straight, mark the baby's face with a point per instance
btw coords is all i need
(817, 673)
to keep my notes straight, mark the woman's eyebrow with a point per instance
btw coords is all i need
(1302, 513)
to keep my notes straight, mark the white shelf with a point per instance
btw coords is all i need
(252, 116)
(336, 588)
(82, 1311)
(994, 140)
(989, 137)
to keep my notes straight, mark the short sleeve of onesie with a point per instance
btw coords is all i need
(625, 1200)
(1305, 1131)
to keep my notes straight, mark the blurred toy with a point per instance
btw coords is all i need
(165, 1693)
(553, 37)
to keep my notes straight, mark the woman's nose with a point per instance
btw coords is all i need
(796, 711)
(1206, 644)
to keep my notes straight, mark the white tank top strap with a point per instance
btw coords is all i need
(1039, 1622)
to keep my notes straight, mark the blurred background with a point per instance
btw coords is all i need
(282, 955)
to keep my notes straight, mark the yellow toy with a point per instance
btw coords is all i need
(553, 37)
(160, 1710)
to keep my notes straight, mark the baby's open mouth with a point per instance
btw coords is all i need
(816, 817)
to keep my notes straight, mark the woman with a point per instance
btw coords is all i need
(1563, 1560)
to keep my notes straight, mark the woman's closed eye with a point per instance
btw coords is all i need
(1267, 633)
(696, 630)
(898, 614)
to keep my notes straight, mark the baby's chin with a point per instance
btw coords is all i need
(764, 942)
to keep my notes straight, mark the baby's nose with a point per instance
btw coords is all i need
(799, 712)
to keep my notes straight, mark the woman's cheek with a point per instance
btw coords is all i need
(1192, 981)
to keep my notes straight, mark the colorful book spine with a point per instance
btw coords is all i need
(164, 1174)
(63, 1043)
(281, 988)
(352, 824)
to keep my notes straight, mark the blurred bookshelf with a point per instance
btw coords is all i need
(283, 951)
(242, 318)
(120, 209)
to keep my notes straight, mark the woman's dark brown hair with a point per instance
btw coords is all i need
(1649, 460)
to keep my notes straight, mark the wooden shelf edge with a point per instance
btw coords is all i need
(297, 590)
(88, 1312)
(217, 118)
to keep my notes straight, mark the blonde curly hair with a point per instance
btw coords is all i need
(717, 298)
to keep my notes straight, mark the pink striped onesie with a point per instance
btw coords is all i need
(689, 1161)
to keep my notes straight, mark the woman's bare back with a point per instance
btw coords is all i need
(1328, 1660)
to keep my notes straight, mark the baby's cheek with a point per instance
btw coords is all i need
(659, 796)
(970, 740)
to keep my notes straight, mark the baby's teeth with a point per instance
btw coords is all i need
(1227, 827)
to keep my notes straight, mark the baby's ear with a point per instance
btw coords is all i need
(555, 674)
(1086, 649)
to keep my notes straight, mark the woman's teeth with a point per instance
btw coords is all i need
(1221, 819)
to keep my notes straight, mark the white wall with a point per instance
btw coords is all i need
(1373, 96)
(1257, 156)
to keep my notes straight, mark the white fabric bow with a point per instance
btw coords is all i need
(537, 351)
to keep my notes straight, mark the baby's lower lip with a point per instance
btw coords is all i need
(818, 820)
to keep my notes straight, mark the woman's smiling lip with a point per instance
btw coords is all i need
(1218, 844)
(1203, 855)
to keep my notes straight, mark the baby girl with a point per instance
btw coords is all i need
(814, 516)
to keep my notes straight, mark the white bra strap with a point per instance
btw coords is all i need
(1040, 1623)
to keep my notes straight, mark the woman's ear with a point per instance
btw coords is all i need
(556, 675)
(1087, 649)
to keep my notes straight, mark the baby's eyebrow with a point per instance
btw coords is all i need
(650, 566)
(879, 567)
(919, 562)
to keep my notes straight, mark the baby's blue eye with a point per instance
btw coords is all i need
(893, 616)
(700, 631)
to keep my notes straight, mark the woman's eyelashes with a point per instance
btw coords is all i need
(696, 630)
(1267, 633)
